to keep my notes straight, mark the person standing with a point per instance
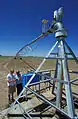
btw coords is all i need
(18, 82)
(11, 82)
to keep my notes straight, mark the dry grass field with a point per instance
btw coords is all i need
(7, 63)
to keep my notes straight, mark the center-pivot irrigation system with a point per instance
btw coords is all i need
(62, 77)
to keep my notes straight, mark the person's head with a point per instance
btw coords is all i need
(11, 71)
(17, 72)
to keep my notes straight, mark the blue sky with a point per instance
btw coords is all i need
(20, 22)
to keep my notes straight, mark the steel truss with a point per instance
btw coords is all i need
(60, 82)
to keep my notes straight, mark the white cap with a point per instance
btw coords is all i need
(61, 12)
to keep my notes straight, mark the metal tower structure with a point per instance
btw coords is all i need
(62, 74)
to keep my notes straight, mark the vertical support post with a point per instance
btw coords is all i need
(26, 89)
(55, 76)
(26, 94)
(49, 81)
(44, 25)
(49, 85)
(59, 77)
(68, 90)
(39, 87)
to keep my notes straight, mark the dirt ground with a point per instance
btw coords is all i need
(7, 63)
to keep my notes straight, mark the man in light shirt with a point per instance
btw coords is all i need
(11, 82)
